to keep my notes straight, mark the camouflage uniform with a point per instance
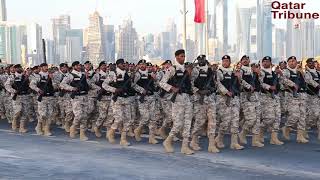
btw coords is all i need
(34, 107)
(92, 101)
(2, 97)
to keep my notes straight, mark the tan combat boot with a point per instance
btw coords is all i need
(243, 136)
(14, 125)
(110, 136)
(123, 140)
(97, 131)
(212, 145)
(185, 147)
(22, 128)
(168, 144)
(67, 127)
(261, 135)
(274, 139)
(83, 136)
(47, 131)
(219, 140)
(256, 141)
(286, 133)
(73, 131)
(234, 143)
(300, 137)
(152, 138)
(306, 135)
(162, 132)
(194, 144)
(137, 133)
(39, 128)
(130, 132)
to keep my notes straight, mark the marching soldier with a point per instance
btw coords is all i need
(18, 86)
(45, 89)
(228, 105)
(283, 103)
(270, 105)
(295, 95)
(178, 82)
(204, 104)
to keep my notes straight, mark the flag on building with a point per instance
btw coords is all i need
(199, 11)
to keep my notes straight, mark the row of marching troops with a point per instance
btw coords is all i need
(185, 100)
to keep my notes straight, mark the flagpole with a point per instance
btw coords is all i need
(184, 34)
(207, 29)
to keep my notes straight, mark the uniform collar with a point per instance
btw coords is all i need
(17, 74)
(269, 70)
(180, 67)
(293, 70)
(43, 74)
(229, 70)
(77, 73)
(119, 71)
(314, 71)
(246, 68)
(204, 68)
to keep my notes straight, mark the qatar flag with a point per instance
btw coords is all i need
(199, 16)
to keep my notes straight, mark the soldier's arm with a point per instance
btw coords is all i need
(33, 85)
(244, 83)
(65, 83)
(263, 85)
(309, 80)
(106, 84)
(220, 87)
(285, 79)
(135, 86)
(8, 85)
(164, 81)
(93, 80)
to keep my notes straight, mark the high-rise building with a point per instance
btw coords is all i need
(266, 31)
(165, 49)
(316, 42)
(96, 44)
(3, 13)
(308, 32)
(109, 38)
(278, 44)
(34, 41)
(60, 26)
(221, 27)
(243, 31)
(50, 52)
(74, 44)
(3, 43)
(293, 38)
(127, 42)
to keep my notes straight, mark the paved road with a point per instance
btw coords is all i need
(34, 157)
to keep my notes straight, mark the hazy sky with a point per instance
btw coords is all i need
(147, 15)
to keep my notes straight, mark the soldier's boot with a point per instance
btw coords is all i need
(274, 139)
(39, 128)
(83, 136)
(162, 132)
(22, 128)
(300, 137)
(306, 135)
(286, 132)
(123, 140)
(167, 144)
(152, 138)
(194, 144)
(97, 131)
(110, 136)
(256, 141)
(234, 143)
(130, 132)
(212, 145)
(185, 147)
(73, 131)
(47, 131)
(219, 140)
(137, 133)
(67, 127)
(243, 136)
(261, 135)
(14, 125)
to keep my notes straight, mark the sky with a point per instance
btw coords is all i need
(149, 16)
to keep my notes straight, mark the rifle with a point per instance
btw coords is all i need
(206, 87)
(45, 90)
(125, 84)
(73, 94)
(142, 96)
(14, 97)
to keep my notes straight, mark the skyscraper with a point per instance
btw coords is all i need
(293, 38)
(60, 26)
(278, 44)
(243, 31)
(307, 32)
(266, 29)
(109, 38)
(96, 46)
(74, 44)
(127, 42)
(221, 27)
(316, 42)
(34, 40)
(3, 13)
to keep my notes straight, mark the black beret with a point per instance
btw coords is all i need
(292, 57)
(226, 57)
(309, 60)
(120, 61)
(180, 51)
(244, 57)
(75, 63)
(17, 66)
(43, 64)
(149, 64)
(282, 62)
(201, 57)
(167, 62)
(266, 58)
(63, 65)
(102, 63)
(142, 61)
(87, 62)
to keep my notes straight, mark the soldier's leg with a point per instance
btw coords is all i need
(42, 110)
(276, 123)
(200, 113)
(188, 115)
(103, 107)
(235, 109)
(77, 112)
(24, 114)
(127, 122)
(249, 115)
(212, 125)
(153, 121)
(67, 105)
(224, 113)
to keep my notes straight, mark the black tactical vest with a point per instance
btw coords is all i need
(125, 84)
(231, 83)
(182, 80)
(257, 84)
(80, 83)
(247, 76)
(202, 81)
(46, 86)
(271, 80)
(146, 82)
(312, 90)
(21, 85)
(100, 82)
(298, 80)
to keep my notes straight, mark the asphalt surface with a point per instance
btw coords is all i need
(30, 156)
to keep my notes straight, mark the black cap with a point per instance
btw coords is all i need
(17, 66)
(34, 68)
(282, 62)
(180, 51)
(202, 57)
(87, 62)
(75, 63)
(43, 64)
(63, 65)
(244, 57)
(142, 61)
(120, 61)
(149, 64)
(102, 63)
(166, 62)
(292, 57)
(266, 58)
(226, 57)
(309, 60)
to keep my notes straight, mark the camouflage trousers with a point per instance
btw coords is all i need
(92, 110)
(80, 111)
(104, 109)
(8, 107)
(283, 104)
(296, 110)
(182, 112)
(34, 106)
(2, 105)
(313, 111)
(147, 111)
(135, 113)
(67, 109)
(20, 108)
(47, 110)
(167, 111)
(203, 113)
(122, 113)
(271, 113)
(248, 104)
(228, 114)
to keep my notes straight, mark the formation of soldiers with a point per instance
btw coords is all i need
(185, 100)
